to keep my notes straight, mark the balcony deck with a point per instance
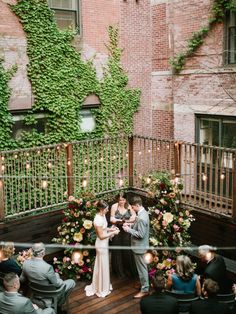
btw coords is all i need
(119, 301)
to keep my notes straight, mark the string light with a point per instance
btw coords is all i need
(84, 183)
(3, 168)
(148, 180)
(222, 176)
(114, 157)
(77, 256)
(140, 153)
(149, 150)
(127, 155)
(121, 182)
(49, 165)
(3, 158)
(204, 177)
(15, 156)
(158, 147)
(44, 184)
(148, 257)
(68, 162)
(101, 159)
(38, 152)
(86, 161)
(27, 165)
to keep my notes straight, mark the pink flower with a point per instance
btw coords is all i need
(176, 227)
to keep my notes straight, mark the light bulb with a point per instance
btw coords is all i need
(77, 256)
(44, 184)
(148, 257)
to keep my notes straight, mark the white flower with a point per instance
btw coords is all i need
(87, 224)
(153, 241)
(168, 217)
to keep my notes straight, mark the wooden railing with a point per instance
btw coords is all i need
(42, 178)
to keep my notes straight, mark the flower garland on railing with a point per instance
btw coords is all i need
(169, 221)
(77, 228)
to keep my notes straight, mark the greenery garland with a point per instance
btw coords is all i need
(197, 38)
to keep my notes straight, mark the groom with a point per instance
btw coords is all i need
(139, 241)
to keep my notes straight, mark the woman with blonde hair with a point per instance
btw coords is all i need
(184, 280)
(7, 263)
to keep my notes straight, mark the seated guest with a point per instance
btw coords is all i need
(210, 304)
(215, 268)
(12, 302)
(37, 270)
(184, 280)
(159, 302)
(8, 264)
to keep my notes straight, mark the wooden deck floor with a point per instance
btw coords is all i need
(119, 301)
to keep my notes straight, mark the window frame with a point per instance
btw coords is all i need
(76, 11)
(227, 29)
(218, 118)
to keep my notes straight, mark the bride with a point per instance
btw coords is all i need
(101, 285)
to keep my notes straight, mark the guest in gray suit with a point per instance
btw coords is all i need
(37, 270)
(139, 231)
(12, 302)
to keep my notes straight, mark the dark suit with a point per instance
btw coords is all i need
(209, 306)
(15, 303)
(216, 270)
(159, 303)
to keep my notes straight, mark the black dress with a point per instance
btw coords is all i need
(122, 261)
(9, 266)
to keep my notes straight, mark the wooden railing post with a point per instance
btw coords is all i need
(131, 161)
(234, 187)
(69, 162)
(177, 156)
(2, 203)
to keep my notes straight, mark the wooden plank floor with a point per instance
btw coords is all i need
(119, 301)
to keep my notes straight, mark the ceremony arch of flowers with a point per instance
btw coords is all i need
(169, 229)
(169, 222)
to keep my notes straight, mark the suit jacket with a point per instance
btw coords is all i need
(159, 303)
(209, 306)
(140, 232)
(15, 303)
(216, 270)
(37, 270)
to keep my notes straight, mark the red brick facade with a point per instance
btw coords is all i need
(151, 31)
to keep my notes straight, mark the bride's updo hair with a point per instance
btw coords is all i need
(101, 205)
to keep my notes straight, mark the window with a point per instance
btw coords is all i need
(216, 131)
(66, 13)
(19, 125)
(88, 123)
(230, 37)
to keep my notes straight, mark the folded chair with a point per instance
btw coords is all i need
(42, 292)
(227, 298)
(184, 300)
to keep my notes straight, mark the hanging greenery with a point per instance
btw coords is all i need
(196, 40)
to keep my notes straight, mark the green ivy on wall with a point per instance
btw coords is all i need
(5, 116)
(61, 81)
(196, 40)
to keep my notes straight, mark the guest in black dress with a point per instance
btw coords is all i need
(7, 263)
(122, 261)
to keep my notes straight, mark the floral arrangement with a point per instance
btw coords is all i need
(24, 255)
(169, 222)
(76, 229)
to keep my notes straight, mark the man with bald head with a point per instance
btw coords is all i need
(39, 271)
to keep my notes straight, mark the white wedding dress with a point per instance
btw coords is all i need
(100, 285)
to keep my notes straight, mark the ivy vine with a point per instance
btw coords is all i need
(5, 116)
(196, 40)
(61, 81)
